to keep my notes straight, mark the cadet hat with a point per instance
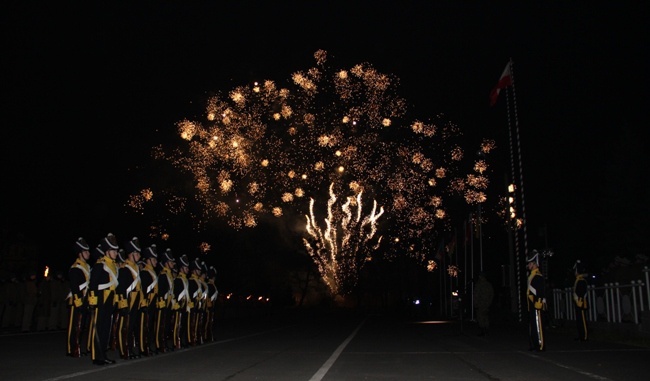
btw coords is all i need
(81, 245)
(132, 245)
(196, 265)
(121, 256)
(212, 272)
(579, 268)
(97, 253)
(168, 257)
(150, 252)
(204, 267)
(109, 243)
(533, 256)
(184, 261)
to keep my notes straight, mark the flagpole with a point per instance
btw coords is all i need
(442, 294)
(506, 81)
(471, 259)
(465, 227)
(443, 282)
(457, 261)
(467, 293)
(521, 167)
(480, 237)
(512, 114)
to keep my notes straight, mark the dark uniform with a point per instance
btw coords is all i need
(196, 297)
(202, 329)
(95, 255)
(101, 299)
(164, 302)
(129, 293)
(536, 298)
(117, 306)
(580, 300)
(149, 280)
(181, 306)
(211, 304)
(79, 277)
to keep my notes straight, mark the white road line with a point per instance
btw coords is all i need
(330, 361)
(590, 375)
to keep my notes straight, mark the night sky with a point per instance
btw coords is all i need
(86, 93)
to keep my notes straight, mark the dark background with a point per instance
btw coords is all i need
(88, 90)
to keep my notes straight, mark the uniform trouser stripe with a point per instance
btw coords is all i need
(94, 336)
(143, 332)
(158, 328)
(582, 324)
(70, 326)
(540, 329)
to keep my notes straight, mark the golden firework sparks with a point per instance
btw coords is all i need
(269, 143)
(343, 242)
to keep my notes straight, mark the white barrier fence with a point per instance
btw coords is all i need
(612, 302)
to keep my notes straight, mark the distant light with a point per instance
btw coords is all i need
(434, 322)
(416, 301)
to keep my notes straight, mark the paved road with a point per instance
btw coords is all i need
(341, 346)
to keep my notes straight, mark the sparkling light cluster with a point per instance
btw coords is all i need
(344, 243)
(266, 149)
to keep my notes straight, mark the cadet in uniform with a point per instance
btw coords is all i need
(149, 280)
(164, 302)
(101, 296)
(201, 335)
(95, 255)
(129, 296)
(194, 302)
(79, 277)
(580, 300)
(211, 306)
(536, 298)
(182, 305)
(114, 345)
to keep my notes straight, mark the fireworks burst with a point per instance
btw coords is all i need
(271, 149)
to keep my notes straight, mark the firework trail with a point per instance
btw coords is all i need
(345, 244)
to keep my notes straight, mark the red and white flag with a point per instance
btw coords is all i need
(504, 81)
